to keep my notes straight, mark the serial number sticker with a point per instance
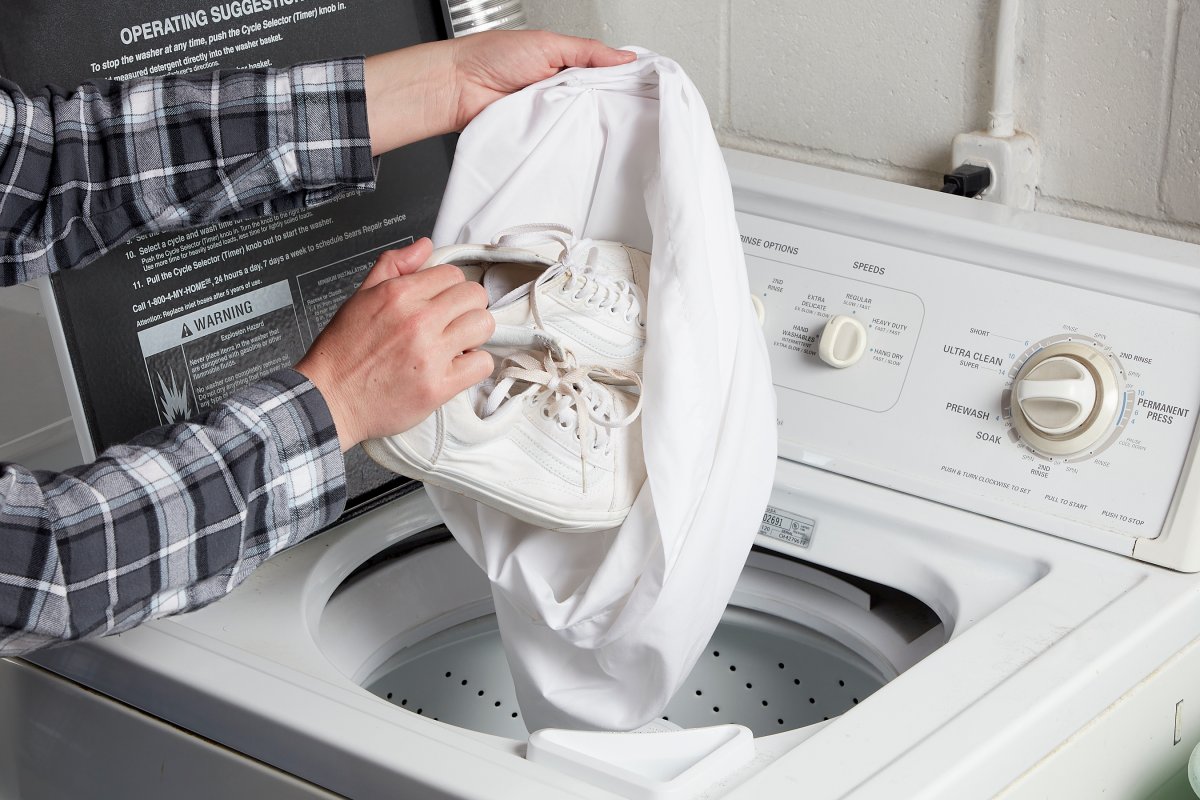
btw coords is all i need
(787, 527)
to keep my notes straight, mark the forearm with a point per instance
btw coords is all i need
(411, 95)
(168, 523)
(83, 172)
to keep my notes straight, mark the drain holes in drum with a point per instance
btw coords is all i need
(739, 682)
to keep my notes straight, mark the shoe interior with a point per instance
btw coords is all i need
(509, 281)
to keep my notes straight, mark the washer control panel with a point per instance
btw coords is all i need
(985, 388)
(854, 338)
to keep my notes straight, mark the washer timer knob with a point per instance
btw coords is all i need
(1066, 398)
(843, 341)
(1057, 395)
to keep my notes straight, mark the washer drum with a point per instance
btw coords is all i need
(797, 645)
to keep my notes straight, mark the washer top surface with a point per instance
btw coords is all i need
(1034, 621)
(250, 671)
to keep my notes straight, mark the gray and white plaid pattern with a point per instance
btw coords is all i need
(84, 172)
(181, 515)
(169, 522)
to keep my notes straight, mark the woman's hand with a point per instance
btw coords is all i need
(439, 87)
(400, 346)
(492, 65)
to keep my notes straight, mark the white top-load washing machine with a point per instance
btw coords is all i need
(971, 580)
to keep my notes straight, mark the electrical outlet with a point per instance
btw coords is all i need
(1014, 162)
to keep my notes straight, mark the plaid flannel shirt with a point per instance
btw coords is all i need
(181, 515)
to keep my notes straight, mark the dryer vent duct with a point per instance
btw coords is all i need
(475, 16)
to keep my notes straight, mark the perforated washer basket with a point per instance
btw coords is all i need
(762, 672)
(415, 626)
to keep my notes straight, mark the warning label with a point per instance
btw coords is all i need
(196, 360)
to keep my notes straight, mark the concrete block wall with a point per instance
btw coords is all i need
(1110, 88)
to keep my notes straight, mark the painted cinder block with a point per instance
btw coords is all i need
(1092, 93)
(1110, 88)
(883, 82)
(1181, 174)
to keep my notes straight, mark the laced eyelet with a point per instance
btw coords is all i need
(564, 425)
(546, 413)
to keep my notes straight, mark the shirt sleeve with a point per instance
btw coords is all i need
(82, 172)
(169, 522)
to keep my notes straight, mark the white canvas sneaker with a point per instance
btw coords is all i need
(588, 295)
(548, 444)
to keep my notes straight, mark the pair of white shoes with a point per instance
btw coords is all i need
(554, 438)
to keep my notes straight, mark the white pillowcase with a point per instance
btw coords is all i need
(601, 630)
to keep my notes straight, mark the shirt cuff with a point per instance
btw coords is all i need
(303, 441)
(331, 135)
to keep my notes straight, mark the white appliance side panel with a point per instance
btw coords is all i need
(926, 403)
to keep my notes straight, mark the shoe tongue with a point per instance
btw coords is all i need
(496, 397)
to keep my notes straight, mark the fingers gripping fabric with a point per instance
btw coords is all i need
(601, 629)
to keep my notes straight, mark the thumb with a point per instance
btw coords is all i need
(394, 263)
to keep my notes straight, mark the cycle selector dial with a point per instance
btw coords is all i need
(1057, 395)
(1066, 399)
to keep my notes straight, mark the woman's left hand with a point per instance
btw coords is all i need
(435, 88)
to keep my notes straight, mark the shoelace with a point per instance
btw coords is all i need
(578, 263)
(570, 396)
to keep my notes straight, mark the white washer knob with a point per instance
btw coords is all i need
(1057, 396)
(843, 341)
